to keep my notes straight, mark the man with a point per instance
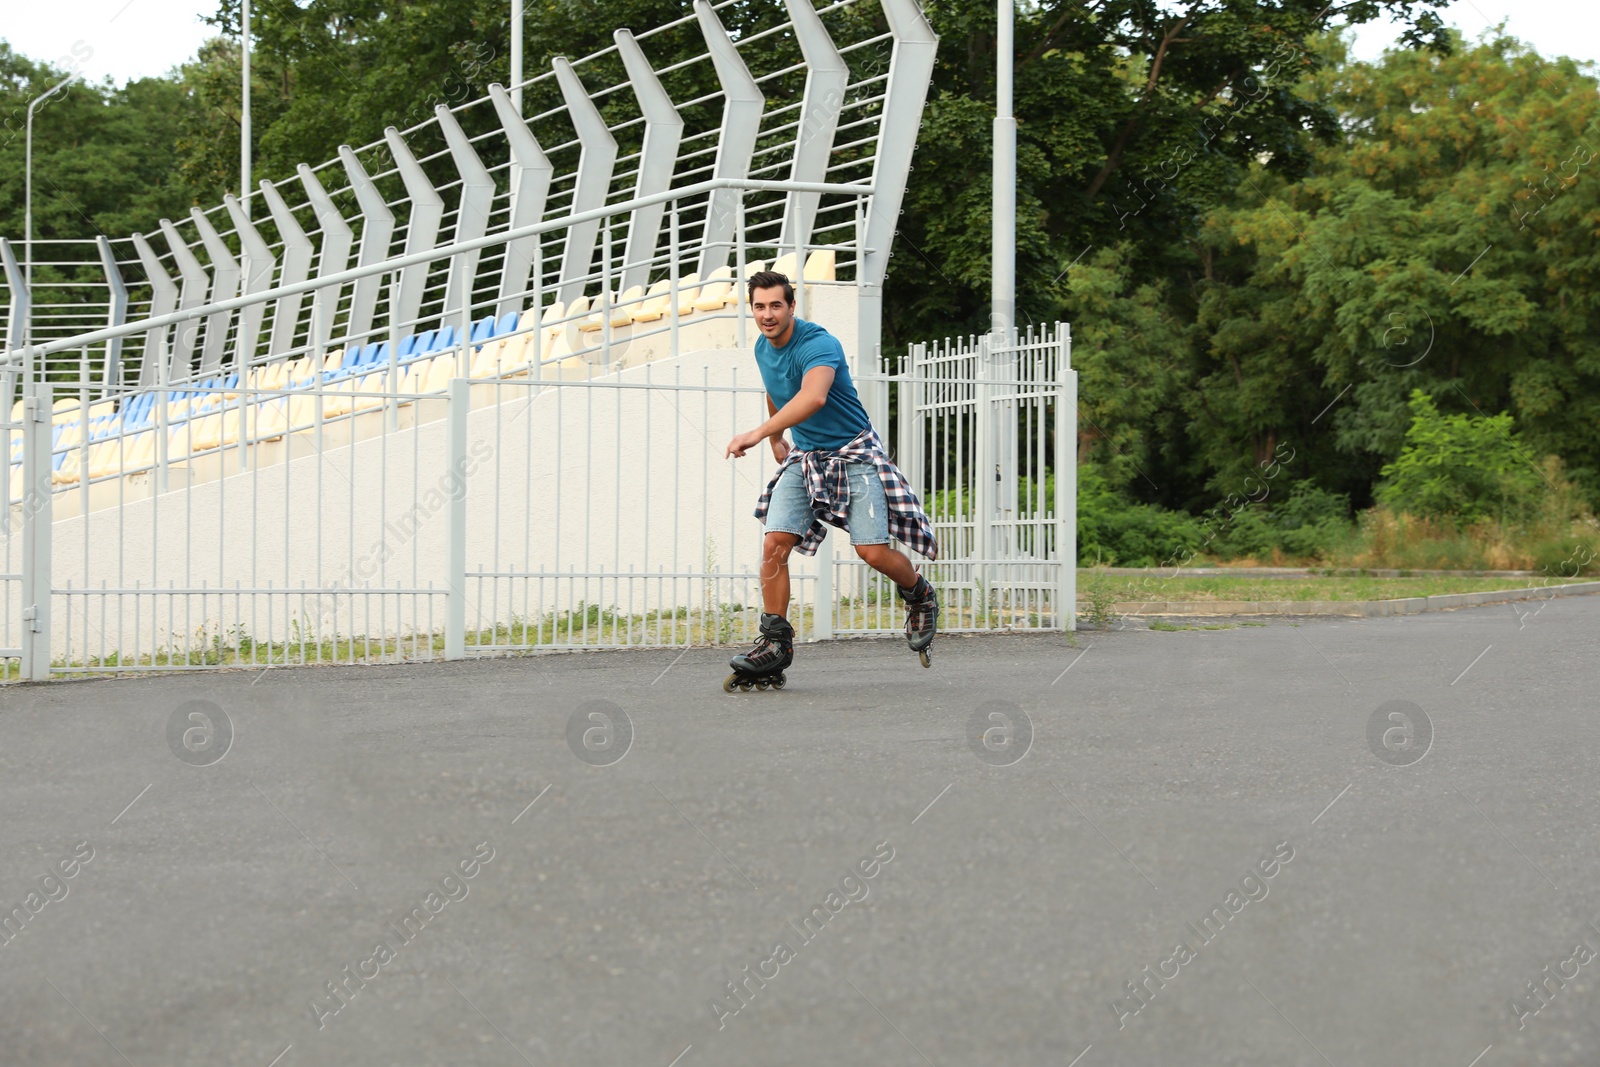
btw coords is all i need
(837, 472)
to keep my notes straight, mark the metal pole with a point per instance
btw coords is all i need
(27, 206)
(244, 131)
(983, 468)
(1066, 502)
(455, 622)
(516, 55)
(822, 611)
(1003, 314)
(739, 289)
(37, 493)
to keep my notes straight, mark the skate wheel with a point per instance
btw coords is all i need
(744, 685)
(729, 682)
(762, 684)
(778, 682)
(927, 660)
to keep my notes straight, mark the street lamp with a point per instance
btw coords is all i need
(516, 55)
(27, 203)
(1002, 316)
(244, 133)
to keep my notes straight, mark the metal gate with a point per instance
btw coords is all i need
(986, 430)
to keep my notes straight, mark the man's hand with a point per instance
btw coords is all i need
(780, 448)
(744, 441)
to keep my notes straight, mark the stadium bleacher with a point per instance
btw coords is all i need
(281, 396)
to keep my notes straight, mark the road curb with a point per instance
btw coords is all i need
(1354, 608)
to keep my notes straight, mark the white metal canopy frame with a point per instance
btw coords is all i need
(817, 96)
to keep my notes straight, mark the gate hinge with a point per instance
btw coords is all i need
(30, 616)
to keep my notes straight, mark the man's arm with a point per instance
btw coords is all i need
(780, 447)
(811, 398)
(807, 402)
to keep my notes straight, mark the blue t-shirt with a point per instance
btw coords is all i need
(842, 418)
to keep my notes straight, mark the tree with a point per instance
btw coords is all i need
(1423, 253)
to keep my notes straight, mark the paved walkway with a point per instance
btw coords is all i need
(1331, 841)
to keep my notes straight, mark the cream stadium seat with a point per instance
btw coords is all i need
(655, 303)
(571, 328)
(715, 293)
(594, 322)
(106, 459)
(785, 265)
(414, 375)
(67, 473)
(622, 311)
(271, 419)
(821, 265)
(373, 382)
(688, 293)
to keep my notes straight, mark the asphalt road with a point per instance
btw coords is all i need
(487, 863)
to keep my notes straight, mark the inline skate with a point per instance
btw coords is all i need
(763, 665)
(922, 618)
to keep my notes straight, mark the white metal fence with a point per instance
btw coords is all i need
(523, 512)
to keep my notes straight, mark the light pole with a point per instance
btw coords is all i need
(1002, 316)
(27, 204)
(244, 132)
(516, 55)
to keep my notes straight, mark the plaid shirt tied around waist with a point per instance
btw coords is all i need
(828, 489)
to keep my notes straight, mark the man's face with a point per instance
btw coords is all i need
(773, 314)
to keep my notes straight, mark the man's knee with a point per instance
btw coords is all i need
(777, 546)
(873, 554)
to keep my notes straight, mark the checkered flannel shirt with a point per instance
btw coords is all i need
(828, 489)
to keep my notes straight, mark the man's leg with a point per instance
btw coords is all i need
(886, 561)
(775, 549)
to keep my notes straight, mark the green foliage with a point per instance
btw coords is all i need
(1101, 598)
(103, 162)
(1466, 467)
(1116, 531)
(1306, 524)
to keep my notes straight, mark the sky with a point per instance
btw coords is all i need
(141, 38)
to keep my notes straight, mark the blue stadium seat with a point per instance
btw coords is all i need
(443, 339)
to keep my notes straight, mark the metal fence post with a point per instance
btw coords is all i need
(905, 399)
(38, 400)
(822, 614)
(455, 623)
(1068, 475)
(983, 468)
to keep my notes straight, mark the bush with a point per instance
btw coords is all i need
(1463, 468)
(1307, 522)
(1114, 530)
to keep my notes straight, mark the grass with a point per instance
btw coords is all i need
(585, 626)
(1161, 625)
(1135, 588)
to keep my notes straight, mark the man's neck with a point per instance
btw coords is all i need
(785, 337)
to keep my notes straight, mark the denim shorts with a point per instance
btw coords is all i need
(789, 510)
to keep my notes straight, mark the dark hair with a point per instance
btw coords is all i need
(771, 279)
